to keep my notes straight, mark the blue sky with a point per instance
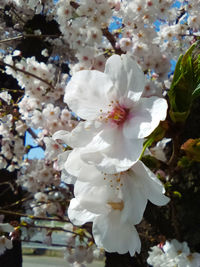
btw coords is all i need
(34, 153)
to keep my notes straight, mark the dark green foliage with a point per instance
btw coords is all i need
(182, 87)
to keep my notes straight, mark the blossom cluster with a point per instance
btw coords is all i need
(78, 252)
(36, 174)
(5, 242)
(97, 139)
(111, 185)
(173, 254)
(36, 78)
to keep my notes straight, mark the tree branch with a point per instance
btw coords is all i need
(27, 73)
(28, 36)
(105, 32)
(31, 132)
(112, 40)
(32, 216)
(49, 228)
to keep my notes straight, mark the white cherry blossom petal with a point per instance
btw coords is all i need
(151, 185)
(118, 203)
(87, 93)
(109, 230)
(93, 198)
(87, 130)
(135, 77)
(126, 76)
(114, 236)
(79, 215)
(134, 200)
(119, 156)
(61, 135)
(62, 158)
(77, 167)
(67, 177)
(146, 117)
(114, 68)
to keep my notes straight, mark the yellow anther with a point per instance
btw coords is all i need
(117, 205)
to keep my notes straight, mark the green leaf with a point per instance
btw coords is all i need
(147, 143)
(155, 136)
(188, 54)
(177, 194)
(196, 61)
(179, 116)
(151, 162)
(177, 72)
(182, 87)
(196, 92)
(184, 162)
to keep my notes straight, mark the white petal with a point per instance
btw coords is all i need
(83, 171)
(135, 77)
(152, 187)
(62, 158)
(81, 135)
(126, 76)
(87, 93)
(67, 177)
(114, 68)
(92, 198)
(79, 215)
(146, 117)
(113, 236)
(135, 200)
(61, 135)
(119, 156)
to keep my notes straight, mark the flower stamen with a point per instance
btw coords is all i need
(118, 114)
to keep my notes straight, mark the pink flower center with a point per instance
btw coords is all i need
(118, 114)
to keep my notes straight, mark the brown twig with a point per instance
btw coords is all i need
(11, 39)
(112, 40)
(48, 228)
(27, 73)
(17, 202)
(8, 183)
(31, 132)
(32, 216)
(105, 32)
(176, 148)
(16, 14)
(28, 36)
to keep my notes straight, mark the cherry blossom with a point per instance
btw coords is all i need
(173, 253)
(117, 110)
(134, 186)
(113, 202)
(107, 217)
(120, 117)
(5, 243)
